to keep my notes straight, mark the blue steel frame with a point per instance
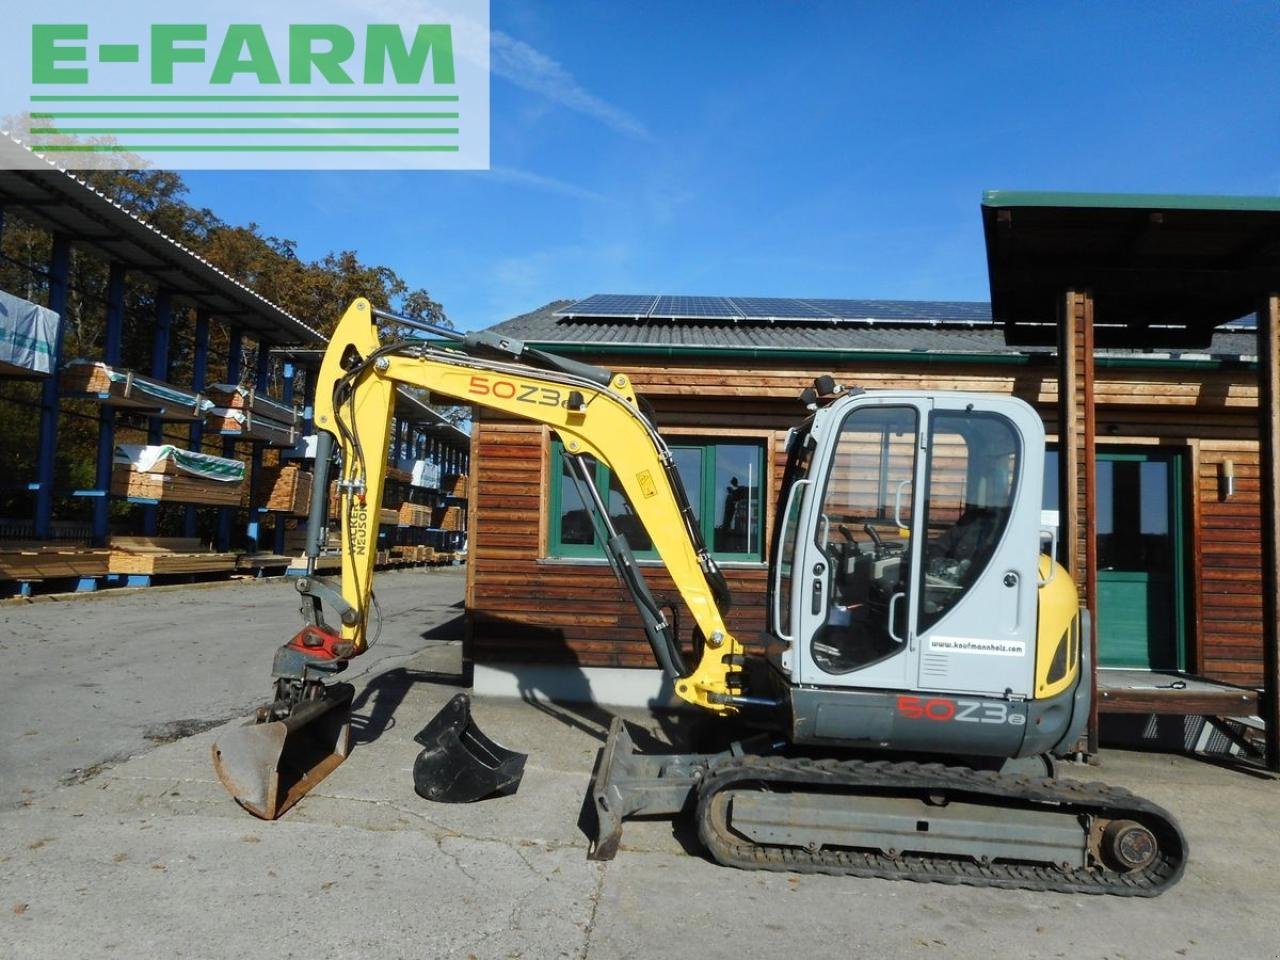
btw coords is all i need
(106, 412)
(59, 285)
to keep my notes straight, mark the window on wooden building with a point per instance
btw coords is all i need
(724, 484)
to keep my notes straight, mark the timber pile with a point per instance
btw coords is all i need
(288, 489)
(249, 399)
(248, 425)
(325, 563)
(174, 487)
(50, 561)
(161, 555)
(454, 484)
(414, 515)
(448, 518)
(124, 388)
(413, 554)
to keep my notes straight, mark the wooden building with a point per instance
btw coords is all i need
(1126, 321)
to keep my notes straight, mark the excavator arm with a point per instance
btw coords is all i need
(594, 412)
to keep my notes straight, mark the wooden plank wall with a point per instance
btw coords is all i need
(526, 608)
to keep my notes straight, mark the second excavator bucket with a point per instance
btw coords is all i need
(268, 767)
(459, 764)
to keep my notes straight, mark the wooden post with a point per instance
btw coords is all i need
(1077, 458)
(1269, 450)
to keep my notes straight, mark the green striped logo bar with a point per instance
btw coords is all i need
(252, 86)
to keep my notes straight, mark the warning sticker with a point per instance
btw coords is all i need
(982, 645)
(647, 486)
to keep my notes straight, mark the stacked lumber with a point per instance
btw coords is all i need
(231, 397)
(247, 425)
(448, 518)
(258, 561)
(161, 555)
(413, 554)
(125, 388)
(388, 517)
(21, 560)
(414, 515)
(454, 484)
(174, 487)
(325, 563)
(288, 489)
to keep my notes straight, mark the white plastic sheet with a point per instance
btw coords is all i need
(28, 334)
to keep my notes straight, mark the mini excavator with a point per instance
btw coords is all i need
(925, 661)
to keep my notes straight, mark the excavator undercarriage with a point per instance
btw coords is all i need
(757, 806)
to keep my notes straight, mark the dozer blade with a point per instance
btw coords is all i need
(459, 764)
(268, 767)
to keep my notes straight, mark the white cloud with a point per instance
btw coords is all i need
(528, 178)
(521, 64)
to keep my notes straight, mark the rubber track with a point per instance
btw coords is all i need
(848, 778)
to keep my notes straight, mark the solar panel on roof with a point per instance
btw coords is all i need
(778, 308)
(612, 305)
(711, 308)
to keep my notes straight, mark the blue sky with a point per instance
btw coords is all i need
(791, 148)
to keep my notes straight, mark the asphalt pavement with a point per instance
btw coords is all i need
(118, 840)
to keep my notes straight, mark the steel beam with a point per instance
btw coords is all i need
(262, 379)
(234, 346)
(160, 370)
(107, 413)
(59, 285)
(199, 380)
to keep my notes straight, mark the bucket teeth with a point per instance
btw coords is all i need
(458, 763)
(268, 767)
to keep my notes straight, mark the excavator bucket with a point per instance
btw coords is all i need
(459, 764)
(268, 767)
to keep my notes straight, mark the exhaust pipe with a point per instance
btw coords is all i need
(269, 766)
(459, 764)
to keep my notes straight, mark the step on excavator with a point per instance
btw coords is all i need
(926, 658)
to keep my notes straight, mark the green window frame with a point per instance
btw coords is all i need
(708, 502)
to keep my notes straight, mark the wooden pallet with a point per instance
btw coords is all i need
(162, 555)
(174, 487)
(288, 489)
(41, 561)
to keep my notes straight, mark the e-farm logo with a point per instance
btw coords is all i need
(244, 93)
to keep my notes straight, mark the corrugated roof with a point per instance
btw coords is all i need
(56, 200)
(548, 325)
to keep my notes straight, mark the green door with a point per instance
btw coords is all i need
(1140, 559)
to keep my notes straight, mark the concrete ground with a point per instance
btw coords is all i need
(118, 841)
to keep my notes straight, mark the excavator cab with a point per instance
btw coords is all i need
(907, 559)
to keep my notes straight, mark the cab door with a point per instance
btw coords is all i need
(851, 599)
(979, 542)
